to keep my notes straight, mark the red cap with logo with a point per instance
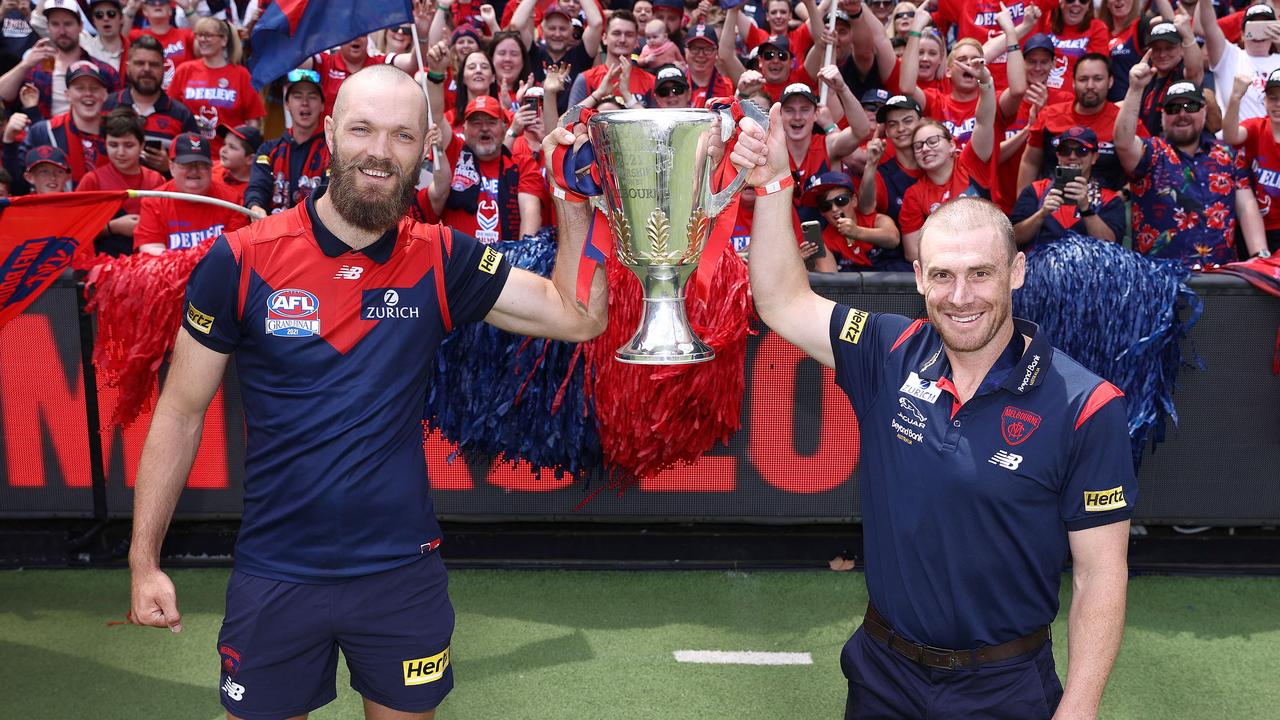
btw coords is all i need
(483, 104)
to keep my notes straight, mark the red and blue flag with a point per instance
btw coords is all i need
(290, 31)
(40, 235)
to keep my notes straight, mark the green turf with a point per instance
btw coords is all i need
(597, 645)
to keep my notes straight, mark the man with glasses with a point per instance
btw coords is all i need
(705, 78)
(1189, 189)
(288, 169)
(1091, 79)
(165, 117)
(852, 238)
(671, 87)
(1049, 209)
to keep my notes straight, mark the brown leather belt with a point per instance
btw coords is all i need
(943, 659)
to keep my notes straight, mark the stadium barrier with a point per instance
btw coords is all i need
(794, 460)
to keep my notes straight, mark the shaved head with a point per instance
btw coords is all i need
(376, 84)
(968, 213)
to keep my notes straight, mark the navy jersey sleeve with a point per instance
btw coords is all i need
(1113, 214)
(474, 275)
(210, 314)
(860, 343)
(1101, 487)
(1026, 206)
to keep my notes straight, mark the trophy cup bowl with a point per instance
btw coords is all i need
(656, 175)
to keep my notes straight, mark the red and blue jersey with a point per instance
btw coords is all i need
(966, 507)
(334, 352)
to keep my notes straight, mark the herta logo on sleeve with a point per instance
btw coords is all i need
(854, 323)
(198, 320)
(1103, 500)
(489, 260)
(426, 670)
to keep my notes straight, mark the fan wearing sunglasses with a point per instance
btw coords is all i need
(852, 237)
(1072, 201)
(771, 61)
(1189, 188)
(108, 45)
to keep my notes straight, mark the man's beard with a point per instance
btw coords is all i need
(989, 327)
(146, 86)
(369, 211)
(1091, 100)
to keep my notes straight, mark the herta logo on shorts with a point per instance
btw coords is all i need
(1017, 424)
(1103, 500)
(293, 313)
(854, 323)
(426, 670)
(198, 320)
(489, 260)
(388, 304)
(1006, 460)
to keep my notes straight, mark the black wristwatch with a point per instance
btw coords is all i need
(1088, 212)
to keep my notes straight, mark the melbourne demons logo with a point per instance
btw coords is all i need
(230, 659)
(1017, 425)
(293, 313)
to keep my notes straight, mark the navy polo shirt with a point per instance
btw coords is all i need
(966, 508)
(334, 351)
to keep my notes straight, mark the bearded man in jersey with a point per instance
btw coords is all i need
(335, 309)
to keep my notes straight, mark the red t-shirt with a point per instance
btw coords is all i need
(814, 162)
(855, 251)
(720, 86)
(977, 19)
(1071, 45)
(485, 224)
(774, 90)
(1232, 26)
(108, 177)
(178, 44)
(180, 224)
(960, 116)
(641, 82)
(216, 96)
(530, 162)
(224, 177)
(1262, 152)
(800, 40)
(969, 176)
(334, 71)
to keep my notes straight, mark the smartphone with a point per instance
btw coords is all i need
(532, 103)
(1063, 175)
(153, 145)
(811, 230)
(1260, 30)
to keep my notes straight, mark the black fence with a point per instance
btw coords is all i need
(794, 460)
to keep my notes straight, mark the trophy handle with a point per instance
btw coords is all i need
(720, 200)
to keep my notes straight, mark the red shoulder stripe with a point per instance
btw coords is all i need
(1103, 394)
(912, 329)
(436, 241)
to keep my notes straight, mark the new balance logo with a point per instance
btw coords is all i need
(348, 272)
(233, 689)
(1006, 460)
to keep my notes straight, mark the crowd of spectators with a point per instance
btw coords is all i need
(1151, 124)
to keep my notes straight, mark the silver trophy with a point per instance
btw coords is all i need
(656, 175)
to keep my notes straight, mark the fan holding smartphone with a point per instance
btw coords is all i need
(1071, 201)
(851, 237)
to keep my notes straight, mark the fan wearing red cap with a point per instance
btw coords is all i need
(493, 195)
(167, 224)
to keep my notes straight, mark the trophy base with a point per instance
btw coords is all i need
(664, 337)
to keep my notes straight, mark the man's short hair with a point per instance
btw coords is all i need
(147, 43)
(622, 15)
(124, 120)
(970, 213)
(1099, 57)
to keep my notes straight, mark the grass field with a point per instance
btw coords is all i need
(598, 645)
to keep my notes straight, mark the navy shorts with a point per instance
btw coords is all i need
(884, 684)
(279, 641)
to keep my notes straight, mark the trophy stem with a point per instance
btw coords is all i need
(664, 336)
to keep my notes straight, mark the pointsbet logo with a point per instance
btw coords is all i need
(1103, 500)
(426, 670)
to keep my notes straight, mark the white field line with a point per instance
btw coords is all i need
(742, 657)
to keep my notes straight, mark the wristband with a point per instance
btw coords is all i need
(1088, 213)
(435, 77)
(916, 34)
(831, 128)
(856, 15)
(1014, 47)
(775, 186)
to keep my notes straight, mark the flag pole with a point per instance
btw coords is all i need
(191, 198)
(422, 80)
(826, 57)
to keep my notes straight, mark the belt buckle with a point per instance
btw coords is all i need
(950, 655)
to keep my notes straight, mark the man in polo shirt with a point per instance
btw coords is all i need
(335, 309)
(1189, 188)
(165, 117)
(987, 456)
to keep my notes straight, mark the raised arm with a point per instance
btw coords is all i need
(867, 190)
(779, 283)
(594, 30)
(437, 59)
(533, 305)
(843, 142)
(1129, 146)
(1015, 70)
(1231, 130)
(1215, 43)
(727, 52)
(983, 138)
(440, 29)
(1192, 55)
(194, 376)
(909, 74)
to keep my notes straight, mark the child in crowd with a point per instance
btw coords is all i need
(658, 49)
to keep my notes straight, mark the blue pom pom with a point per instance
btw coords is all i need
(1119, 314)
(495, 394)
